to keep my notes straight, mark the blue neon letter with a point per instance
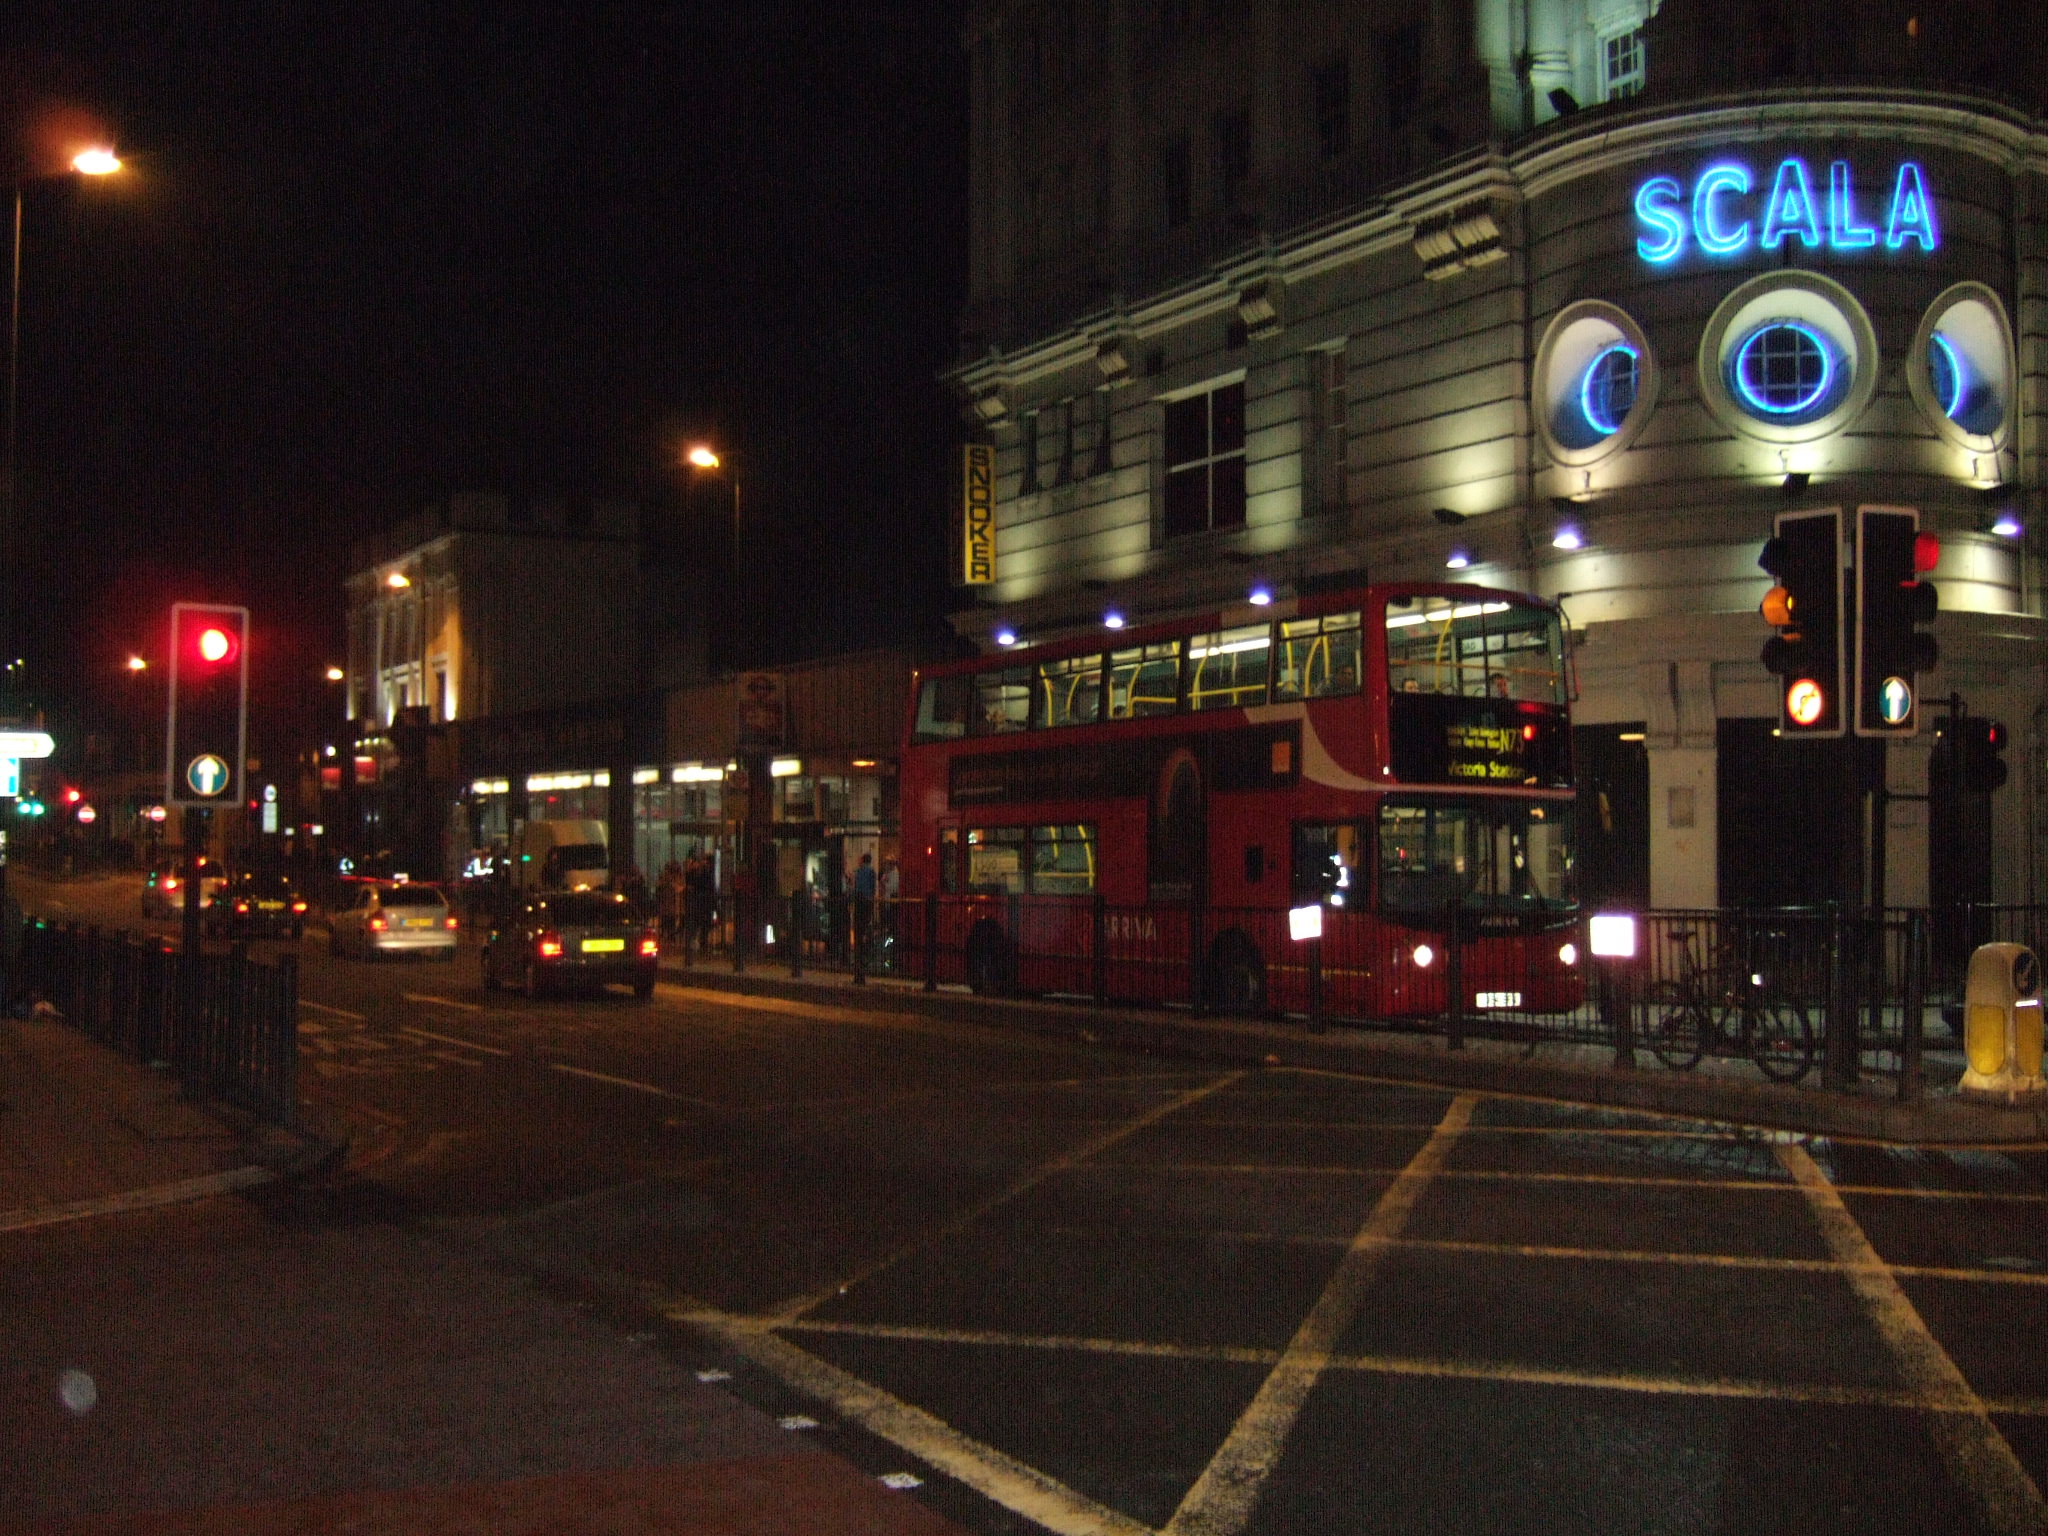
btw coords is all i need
(1715, 180)
(1844, 233)
(1790, 208)
(1912, 216)
(1657, 203)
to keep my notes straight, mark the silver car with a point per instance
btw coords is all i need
(392, 917)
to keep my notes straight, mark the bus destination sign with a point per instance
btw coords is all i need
(1447, 739)
(1487, 754)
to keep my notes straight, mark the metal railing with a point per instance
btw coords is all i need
(227, 1025)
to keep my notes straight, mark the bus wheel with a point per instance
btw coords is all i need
(1237, 976)
(991, 965)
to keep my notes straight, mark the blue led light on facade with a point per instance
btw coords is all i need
(1659, 202)
(1607, 389)
(1844, 233)
(1946, 375)
(1719, 218)
(1715, 182)
(1790, 208)
(1784, 370)
(1912, 215)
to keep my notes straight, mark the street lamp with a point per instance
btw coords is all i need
(704, 457)
(94, 161)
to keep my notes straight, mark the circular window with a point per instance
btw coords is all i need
(1787, 371)
(1788, 357)
(1595, 379)
(1961, 369)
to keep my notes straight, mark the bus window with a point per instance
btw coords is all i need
(1227, 670)
(1329, 863)
(1318, 657)
(943, 705)
(1487, 855)
(1063, 860)
(1002, 700)
(1144, 680)
(995, 861)
(1475, 650)
(1069, 691)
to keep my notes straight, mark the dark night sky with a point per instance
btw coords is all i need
(373, 253)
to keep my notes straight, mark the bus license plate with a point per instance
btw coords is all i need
(1499, 1000)
(603, 946)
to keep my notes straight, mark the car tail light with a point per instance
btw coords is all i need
(379, 922)
(550, 946)
(170, 884)
(452, 922)
(298, 906)
(242, 909)
(650, 944)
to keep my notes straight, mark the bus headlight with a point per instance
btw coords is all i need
(1568, 952)
(1424, 956)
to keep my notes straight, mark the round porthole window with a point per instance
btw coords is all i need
(1788, 357)
(1961, 369)
(1595, 380)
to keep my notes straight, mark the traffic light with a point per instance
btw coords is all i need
(1979, 763)
(209, 687)
(1892, 605)
(1805, 556)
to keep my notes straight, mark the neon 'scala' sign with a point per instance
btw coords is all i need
(1726, 209)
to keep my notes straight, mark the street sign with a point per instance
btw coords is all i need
(207, 775)
(10, 777)
(26, 744)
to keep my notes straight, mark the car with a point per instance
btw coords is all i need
(571, 939)
(163, 887)
(256, 903)
(395, 917)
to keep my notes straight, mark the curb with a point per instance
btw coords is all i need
(1770, 1106)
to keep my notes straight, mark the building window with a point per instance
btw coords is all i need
(1205, 462)
(1027, 448)
(1233, 133)
(1333, 108)
(1176, 183)
(1105, 443)
(1328, 436)
(1622, 63)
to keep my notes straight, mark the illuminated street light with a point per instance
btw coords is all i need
(702, 457)
(97, 161)
(335, 674)
(137, 664)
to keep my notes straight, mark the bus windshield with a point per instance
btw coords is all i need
(1474, 649)
(1509, 856)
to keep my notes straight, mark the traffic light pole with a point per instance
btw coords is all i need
(197, 824)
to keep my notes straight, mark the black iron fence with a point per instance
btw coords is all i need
(226, 1024)
(1805, 993)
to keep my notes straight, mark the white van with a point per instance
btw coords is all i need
(560, 856)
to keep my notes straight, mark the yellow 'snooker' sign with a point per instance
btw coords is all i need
(978, 515)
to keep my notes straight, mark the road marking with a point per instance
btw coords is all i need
(627, 1082)
(1221, 1501)
(339, 1013)
(137, 1199)
(1022, 1489)
(467, 1045)
(797, 1306)
(1392, 1365)
(1978, 1457)
(441, 1002)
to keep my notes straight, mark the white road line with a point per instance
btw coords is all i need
(1221, 1501)
(339, 1013)
(647, 1088)
(1022, 1489)
(441, 1002)
(797, 1306)
(467, 1045)
(137, 1199)
(1978, 1456)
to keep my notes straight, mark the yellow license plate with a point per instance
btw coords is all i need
(603, 946)
(269, 906)
(419, 922)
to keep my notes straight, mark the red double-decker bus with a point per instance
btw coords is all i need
(1151, 815)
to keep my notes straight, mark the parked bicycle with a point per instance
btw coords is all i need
(1724, 1008)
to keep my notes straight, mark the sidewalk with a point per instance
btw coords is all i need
(1728, 1091)
(178, 1365)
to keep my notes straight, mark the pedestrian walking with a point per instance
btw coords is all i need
(700, 902)
(864, 888)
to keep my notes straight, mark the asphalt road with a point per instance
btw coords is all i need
(1091, 1292)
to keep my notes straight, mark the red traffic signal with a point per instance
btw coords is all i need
(212, 645)
(207, 728)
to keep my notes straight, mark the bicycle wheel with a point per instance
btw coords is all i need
(1672, 1030)
(1781, 1040)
